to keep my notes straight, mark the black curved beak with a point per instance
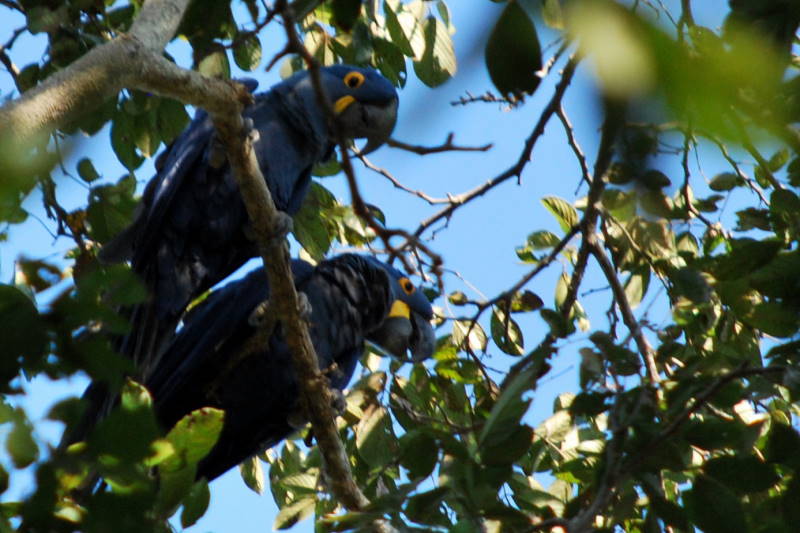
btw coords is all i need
(382, 121)
(399, 334)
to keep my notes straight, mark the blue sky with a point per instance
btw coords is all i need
(478, 243)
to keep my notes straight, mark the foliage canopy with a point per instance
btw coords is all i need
(688, 423)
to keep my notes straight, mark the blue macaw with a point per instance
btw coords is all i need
(191, 228)
(352, 297)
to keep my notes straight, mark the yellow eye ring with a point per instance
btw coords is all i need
(407, 286)
(354, 79)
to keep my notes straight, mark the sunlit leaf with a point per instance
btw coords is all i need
(470, 332)
(506, 334)
(293, 513)
(252, 474)
(565, 214)
(247, 51)
(438, 62)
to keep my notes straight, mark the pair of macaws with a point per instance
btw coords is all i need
(191, 231)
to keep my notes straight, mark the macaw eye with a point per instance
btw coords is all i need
(407, 286)
(354, 79)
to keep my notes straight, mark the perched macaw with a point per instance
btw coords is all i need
(352, 297)
(191, 228)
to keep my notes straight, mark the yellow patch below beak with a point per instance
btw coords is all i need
(400, 308)
(343, 103)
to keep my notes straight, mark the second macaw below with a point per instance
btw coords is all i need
(352, 298)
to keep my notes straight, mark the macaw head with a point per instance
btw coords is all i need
(407, 326)
(364, 101)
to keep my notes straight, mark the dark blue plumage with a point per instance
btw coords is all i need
(191, 229)
(352, 298)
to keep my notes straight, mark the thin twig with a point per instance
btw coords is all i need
(516, 169)
(646, 351)
(573, 143)
(394, 181)
(446, 146)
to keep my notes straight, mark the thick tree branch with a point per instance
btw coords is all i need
(98, 75)
(315, 394)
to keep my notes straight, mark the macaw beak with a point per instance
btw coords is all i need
(423, 339)
(405, 330)
(384, 119)
(372, 121)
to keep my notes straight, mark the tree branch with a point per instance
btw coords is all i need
(98, 75)
(516, 169)
(625, 308)
(446, 146)
(587, 227)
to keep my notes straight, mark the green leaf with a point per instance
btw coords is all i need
(396, 31)
(424, 507)
(783, 442)
(20, 443)
(193, 437)
(86, 170)
(477, 337)
(565, 214)
(691, 284)
(252, 474)
(514, 73)
(146, 132)
(214, 63)
(111, 208)
(525, 301)
(790, 497)
(375, 440)
(742, 474)
(174, 486)
(752, 218)
(457, 298)
(171, 119)
(196, 503)
(507, 412)
(135, 396)
(621, 205)
(22, 330)
(506, 334)
(745, 256)
(418, 453)
(310, 227)
(636, 287)
(543, 240)
(552, 15)
(725, 182)
(778, 159)
(508, 450)
(345, 13)
(713, 507)
(654, 180)
(438, 62)
(774, 318)
(247, 51)
(294, 512)
(123, 140)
